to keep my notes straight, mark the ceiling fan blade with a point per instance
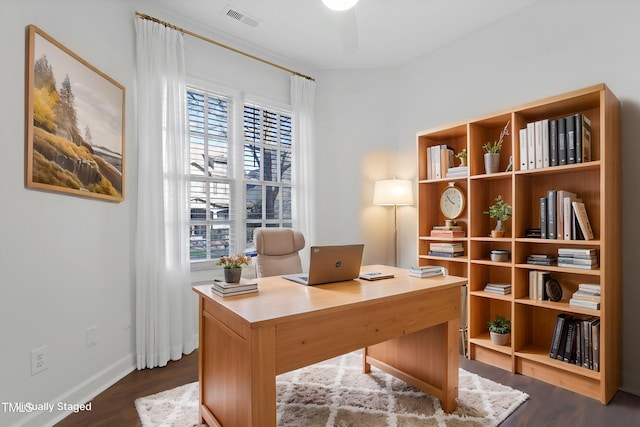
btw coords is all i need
(348, 30)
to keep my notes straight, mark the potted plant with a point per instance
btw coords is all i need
(500, 330)
(502, 211)
(463, 157)
(232, 266)
(492, 151)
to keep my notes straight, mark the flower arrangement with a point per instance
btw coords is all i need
(496, 146)
(462, 154)
(233, 261)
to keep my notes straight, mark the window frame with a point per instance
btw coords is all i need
(238, 222)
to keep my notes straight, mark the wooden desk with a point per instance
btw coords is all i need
(408, 326)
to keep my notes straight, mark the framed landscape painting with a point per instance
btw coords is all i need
(75, 123)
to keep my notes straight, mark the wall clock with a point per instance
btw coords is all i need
(452, 201)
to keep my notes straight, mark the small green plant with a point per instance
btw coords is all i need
(495, 146)
(500, 210)
(462, 154)
(500, 325)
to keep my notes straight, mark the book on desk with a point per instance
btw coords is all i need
(223, 289)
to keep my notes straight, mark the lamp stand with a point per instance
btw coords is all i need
(395, 235)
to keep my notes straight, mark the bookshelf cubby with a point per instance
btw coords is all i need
(596, 182)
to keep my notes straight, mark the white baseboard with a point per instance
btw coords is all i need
(81, 394)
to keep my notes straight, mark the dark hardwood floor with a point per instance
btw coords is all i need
(547, 405)
(114, 406)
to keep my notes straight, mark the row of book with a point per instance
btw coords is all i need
(576, 341)
(587, 296)
(225, 289)
(445, 249)
(557, 142)
(427, 271)
(439, 159)
(563, 216)
(538, 285)
(498, 288)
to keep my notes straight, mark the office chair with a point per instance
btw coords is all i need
(277, 251)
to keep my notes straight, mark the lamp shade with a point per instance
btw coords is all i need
(392, 192)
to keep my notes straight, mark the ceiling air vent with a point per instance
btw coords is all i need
(234, 13)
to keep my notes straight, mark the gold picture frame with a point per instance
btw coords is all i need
(74, 123)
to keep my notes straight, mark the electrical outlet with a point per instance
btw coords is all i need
(39, 360)
(92, 338)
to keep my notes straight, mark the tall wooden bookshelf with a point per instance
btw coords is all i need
(596, 182)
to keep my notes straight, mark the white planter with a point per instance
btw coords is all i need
(500, 339)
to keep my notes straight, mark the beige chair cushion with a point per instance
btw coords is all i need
(277, 251)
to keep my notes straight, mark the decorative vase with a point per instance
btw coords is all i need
(499, 230)
(500, 339)
(232, 275)
(491, 162)
(463, 161)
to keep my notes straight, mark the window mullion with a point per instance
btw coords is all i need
(239, 187)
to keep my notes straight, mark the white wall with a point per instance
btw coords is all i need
(356, 128)
(65, 262)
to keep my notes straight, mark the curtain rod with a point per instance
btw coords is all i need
(198, 36)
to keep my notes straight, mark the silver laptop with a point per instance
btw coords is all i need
(331, 264)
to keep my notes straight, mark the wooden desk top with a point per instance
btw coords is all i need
(279, 299)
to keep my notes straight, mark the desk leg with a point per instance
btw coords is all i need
(366, 366)
(427, 359)
(450, 380)
(263, 377)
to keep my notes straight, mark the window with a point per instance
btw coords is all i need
(267, 169)
(226, 206)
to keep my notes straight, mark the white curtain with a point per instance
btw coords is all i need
(303, 92)
(166, 308)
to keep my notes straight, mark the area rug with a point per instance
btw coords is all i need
(337, 393)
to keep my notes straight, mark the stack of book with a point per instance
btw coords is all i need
(225, 289)
(444, 249)
(498, 288)
(427, 271)
(541, 259)
(577, 341)
(587, 296)
(586, 259)
(447, 231)
(458, 172)
(534, 233)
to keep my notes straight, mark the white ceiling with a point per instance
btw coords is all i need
(378, 33)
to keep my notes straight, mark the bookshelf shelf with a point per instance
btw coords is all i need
(484, 294)
(485, 341)
(595, 182)
(541, 355)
